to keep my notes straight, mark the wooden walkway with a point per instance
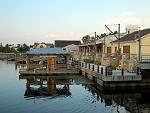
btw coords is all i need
(48, 72)
(111, 78)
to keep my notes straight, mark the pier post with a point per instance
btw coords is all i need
(138, 70)
(106, 71)
(89, 66)
(93, 68)
(122, 72)
(97, 68)
(101, 70)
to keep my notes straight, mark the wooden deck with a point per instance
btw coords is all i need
(48, 72)
(108, 78)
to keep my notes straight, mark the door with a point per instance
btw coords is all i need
(52, 63)
(126, 49)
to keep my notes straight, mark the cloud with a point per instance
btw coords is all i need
(67, 36)
(128, 18)
(128, 13)
(50, 37)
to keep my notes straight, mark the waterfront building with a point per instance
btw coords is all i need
(93, 52)
(74, 51)
(46, 60)
(134, 46)
(130, 43)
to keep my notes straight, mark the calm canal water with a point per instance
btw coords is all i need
(72, 94)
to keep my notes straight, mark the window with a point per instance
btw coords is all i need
(61, 59)
(41, 46)
(108, 49)
(115, 49)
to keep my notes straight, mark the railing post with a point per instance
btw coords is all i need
(122, 72)
(97, 68)
(101, 70)
(93, 68)
(106, 71)
(138, 70)
(89, 66)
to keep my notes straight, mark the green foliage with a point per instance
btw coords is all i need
(11, 49)
(115, 32)
(22, 48)
(92, 39)
(86, 39)
(7, 49)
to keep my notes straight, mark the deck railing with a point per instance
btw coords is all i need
(101, 72)
(145, 58)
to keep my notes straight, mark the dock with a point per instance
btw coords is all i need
(114, 78)
(48, 72)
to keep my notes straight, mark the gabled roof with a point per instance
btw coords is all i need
(47, 51)
(91, 43)
(63, 43)
(131, 36)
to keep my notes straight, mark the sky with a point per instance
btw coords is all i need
(29, 21)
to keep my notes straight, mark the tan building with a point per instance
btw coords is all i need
(130, 43)
(134, 46)
(96, 50)
(43, 45)
(91, 52)
(74, 50)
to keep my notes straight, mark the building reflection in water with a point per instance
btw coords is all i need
(42, 86)
(118, 100)
(132, 100)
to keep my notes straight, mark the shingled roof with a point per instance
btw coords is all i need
(131, 36)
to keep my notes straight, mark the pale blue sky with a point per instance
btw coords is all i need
(32, 21)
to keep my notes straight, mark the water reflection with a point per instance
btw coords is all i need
(70, 94)
(45, 86)
(117, 100)
(132, 100)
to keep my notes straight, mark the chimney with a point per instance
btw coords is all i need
(131, 28)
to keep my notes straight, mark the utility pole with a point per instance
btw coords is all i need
(139, 50)
(95, 40)
(104, 44)
(117, 37)
(95, 44)
(119, 51)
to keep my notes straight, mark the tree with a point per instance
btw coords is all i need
(115, 32)
(92, 39)
(86, 39)
(23, 48)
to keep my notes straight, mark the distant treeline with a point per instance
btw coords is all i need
(19, 48)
